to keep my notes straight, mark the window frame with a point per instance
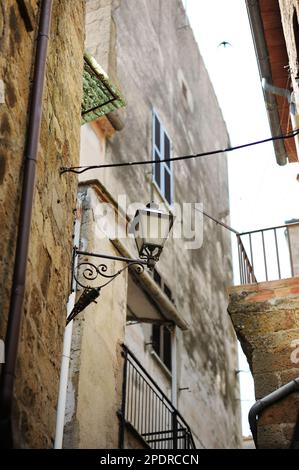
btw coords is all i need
(160, 352)
(164, 166)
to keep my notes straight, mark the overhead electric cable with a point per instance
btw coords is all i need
(218, 222)
(82, 169)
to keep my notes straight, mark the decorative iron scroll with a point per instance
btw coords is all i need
(89, 275)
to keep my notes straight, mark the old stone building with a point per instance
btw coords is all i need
(50, 242)
(174, 384)
(153, 362)
(264, 308)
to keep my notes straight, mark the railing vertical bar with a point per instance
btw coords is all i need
(129, 410)
(133, 394)
(241, 262)
(170, 425)
(135, 398)
(155, 414)
(164, 422)
(290, 252)
(264, 252)
(175, 430)
(151, 413)
(251, 252)
(242, 266)
(165, 425)
(160, 424)
(158, 419)
(243, 271)
(144, 405)
(130, 417)
(246, 268)
(121, 437)
(146, 409)
(138, 403)
(161, 420)
(277, 254)
(239, 254)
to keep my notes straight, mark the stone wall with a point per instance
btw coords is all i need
(48, 270)
(287, 8)
(157, 65)
(266, 319)
(293, 234)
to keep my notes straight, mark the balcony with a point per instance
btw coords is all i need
(148, 413)
(269, 254)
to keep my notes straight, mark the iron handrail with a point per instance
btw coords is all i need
(269, 228)
(271, 253)
(180, 424)
(247, 275)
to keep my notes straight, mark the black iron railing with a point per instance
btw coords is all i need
(149, 411)
(247, 275)
(266, 254)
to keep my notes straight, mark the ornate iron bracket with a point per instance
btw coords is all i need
(88, 276)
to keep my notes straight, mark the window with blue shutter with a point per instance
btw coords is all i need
(162, 172)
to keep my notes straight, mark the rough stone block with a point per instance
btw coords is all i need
(265, 317)
(271, 437)
(44, 312)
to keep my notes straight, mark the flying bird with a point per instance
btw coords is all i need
(224, 44)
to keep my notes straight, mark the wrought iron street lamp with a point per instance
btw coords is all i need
(150, 227)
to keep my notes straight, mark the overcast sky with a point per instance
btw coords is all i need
(262, 194)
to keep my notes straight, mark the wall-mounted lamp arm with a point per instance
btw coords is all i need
(86, 274)
(117, 258)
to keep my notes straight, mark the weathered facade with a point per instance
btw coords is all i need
(265, 316)
(264, 309)
(173, 321)
(48, 272)
(289, 10)
(148, 49)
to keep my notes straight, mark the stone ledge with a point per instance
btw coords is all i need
(265, 286)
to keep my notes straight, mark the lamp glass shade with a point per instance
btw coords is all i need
(151, 230)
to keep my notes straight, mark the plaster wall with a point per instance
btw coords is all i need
(158, 66)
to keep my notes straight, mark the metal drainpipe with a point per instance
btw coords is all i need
(67, 343)
(19, 275)
(268, 400)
